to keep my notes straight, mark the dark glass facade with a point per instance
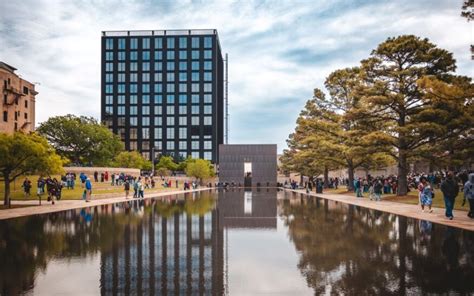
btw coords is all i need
(164, 89)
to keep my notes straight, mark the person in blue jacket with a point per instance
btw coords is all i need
(88, 185)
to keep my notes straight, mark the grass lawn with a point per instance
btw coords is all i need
(438, 201)
(98, 189)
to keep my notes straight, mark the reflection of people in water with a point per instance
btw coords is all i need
(451, 249)
(86, 215)
(425, 228)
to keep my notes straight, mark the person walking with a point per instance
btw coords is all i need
(126, 186)
(450, 189)
(88, 185)
(83, 178)
(358, 188)
(26, 187)
(141, 189)
(378, 189)
(96, 176)
(426, 195)
(469, 195)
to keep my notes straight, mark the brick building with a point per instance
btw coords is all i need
(18, 101)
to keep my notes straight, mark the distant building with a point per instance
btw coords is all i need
(18, 101)
(248, 165)
(163, 91)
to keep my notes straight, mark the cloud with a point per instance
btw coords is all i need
(279, 51)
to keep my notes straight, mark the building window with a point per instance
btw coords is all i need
(207, 109)
(109, 55)
(158, 42)
(183, 42)
(195, 154)
(207, 65)
(146, 77)
(170, 99)
(170, 110)
(170, 133)
(133, 99)
(207, 87)
(194, 66)
(207, 42)
(183, 66)
(183, 76)
(195, 76)
(207, 76)
(109, 100)
(158, 99)
(121, 43)
(109, 43)
(183, 145)
(145, 121)
(169, 145)
(195, 145)
(158, 88)
(169, 121)
(170, 66)
(121, 55)
(121, 100)
(195, 109)
(133, 145)
(133, 121)
(183, 120)
(145, 99)
(183, 87)
(133, 110)
(146, 43)
(158, 145)
(146, 66)
(195, 42)
(145, 110)
(207, 120)
(158, 55)
(207, 98)
(109, 110)
(158, 110)
(109, 67)
(146, 55)
(195, 99)
(26, 104)
(133, 55)
(133, 88)
(183, 99)
(133, 134)
(121, 110)
(207, 145)
(109, 88)
(195, 120)
(207, 155)
(145, 133)
(208, 54)
(183, 55)
(134, 43)
(183, 133)
(158, 77)
(158, 133)
(158, 120)
(158, 66)
(5, 116)
(182, 109)
(170, 55)
(195, 87)
(195, 55)
(170, 42)
(133, 77)
(145, 88)
(134, 66)
(121, 67)
(170, 77)
(109, 78)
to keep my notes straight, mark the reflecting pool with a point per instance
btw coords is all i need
(233, 243)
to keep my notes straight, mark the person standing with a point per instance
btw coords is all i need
(96, 176)
(88, 185)
(358, 188)
(126, 186)
(378, 189)
(141, 190)
(136, 185)
(450, 190)
(469, 195)
(83, 178)
(426, 195)
(106, 176)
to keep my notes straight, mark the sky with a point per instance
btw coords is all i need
(279, 51)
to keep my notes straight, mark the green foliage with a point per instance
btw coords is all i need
(167, 162)
(82, 139)
(22, 154)
(132, 159)
(199, 168)
(163, 172)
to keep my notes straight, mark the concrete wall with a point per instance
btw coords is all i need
(262, 157)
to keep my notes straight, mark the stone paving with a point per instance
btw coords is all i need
(64, 205)
(413, 211)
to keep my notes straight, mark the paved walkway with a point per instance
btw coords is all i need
(413, 211)
(64, 205)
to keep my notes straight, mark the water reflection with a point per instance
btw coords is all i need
(204, 243)
(347, 249)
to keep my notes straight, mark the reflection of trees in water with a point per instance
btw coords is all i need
(358, 251)
(28, 244)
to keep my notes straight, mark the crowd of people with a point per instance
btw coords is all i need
(448, 182)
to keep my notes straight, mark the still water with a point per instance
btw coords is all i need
(233, 243)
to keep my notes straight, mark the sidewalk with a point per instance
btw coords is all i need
(64, 205)
(413, 211)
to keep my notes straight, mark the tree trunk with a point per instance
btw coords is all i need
(6, 197)
(301, 179)
(326, 177)
(402, 173)
(350, 173)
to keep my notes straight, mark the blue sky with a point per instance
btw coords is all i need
(279, 51)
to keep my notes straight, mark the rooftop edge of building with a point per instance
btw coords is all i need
(177, 32)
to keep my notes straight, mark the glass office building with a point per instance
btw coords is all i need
(164, 90)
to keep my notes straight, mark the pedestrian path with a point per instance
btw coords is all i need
(413, 211)
(64, 205)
